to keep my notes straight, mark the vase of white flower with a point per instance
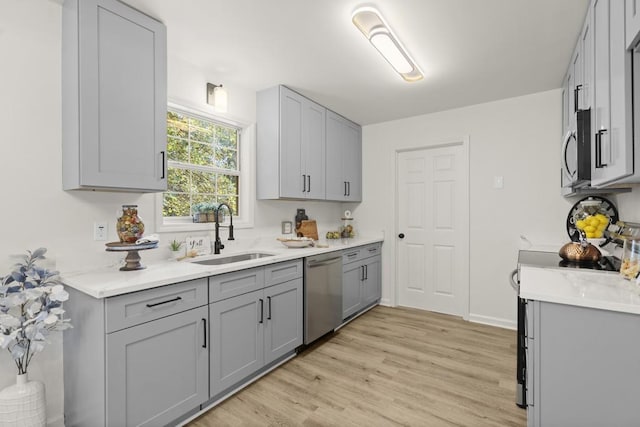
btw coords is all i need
(31, 300)
(23, 404)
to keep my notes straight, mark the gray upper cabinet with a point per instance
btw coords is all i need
(290, 146)
(632, 17)
(344, 159)
(157, 371)
(114, 98)
(612, 150)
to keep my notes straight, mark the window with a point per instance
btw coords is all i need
(202, 163)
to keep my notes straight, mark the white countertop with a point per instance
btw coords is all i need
(593, 289)
(108, 282)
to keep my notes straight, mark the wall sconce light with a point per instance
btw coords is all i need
(217, 96)
(371, 23)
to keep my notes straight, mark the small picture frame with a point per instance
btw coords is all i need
(287, 227)
(200, 244)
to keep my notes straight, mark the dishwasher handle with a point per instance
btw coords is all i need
(312, 263)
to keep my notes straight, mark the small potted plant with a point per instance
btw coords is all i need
(31, 300)
(176, 249)
(200, 212)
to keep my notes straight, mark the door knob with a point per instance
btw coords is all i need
(401, 235)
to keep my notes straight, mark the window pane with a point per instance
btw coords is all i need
(201, 154)
(175, 204)
(178, 180)
(203, 182)
(177, 125)
(200, 131)
(226, 158)
(178, 150)
(227, 137)
(227, 185)
(198, 150)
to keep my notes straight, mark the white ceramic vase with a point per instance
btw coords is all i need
(23, 404)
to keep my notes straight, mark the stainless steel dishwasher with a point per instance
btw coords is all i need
(322, 295)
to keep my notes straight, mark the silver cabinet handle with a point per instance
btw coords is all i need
(313, 264)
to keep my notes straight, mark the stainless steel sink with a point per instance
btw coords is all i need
(233, 258)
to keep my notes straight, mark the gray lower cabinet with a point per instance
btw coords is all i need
(361, 279)
(582, 366)
(157, 371)
(114, 103)
(139, 359)
(237, 338)
(254, 329)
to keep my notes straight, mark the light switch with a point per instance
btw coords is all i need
(498, 182)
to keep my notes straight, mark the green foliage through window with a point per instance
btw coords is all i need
(202, 164)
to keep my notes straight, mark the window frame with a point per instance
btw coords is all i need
(246, 174)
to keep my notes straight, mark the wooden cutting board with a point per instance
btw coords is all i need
(308, 228)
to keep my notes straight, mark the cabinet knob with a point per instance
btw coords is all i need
(401, 235)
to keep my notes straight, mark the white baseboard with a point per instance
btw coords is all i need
(493, 321)
(386, 302)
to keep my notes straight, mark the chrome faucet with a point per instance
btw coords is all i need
(217, 245)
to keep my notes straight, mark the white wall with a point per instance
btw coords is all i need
(516, 138)
(35, 210)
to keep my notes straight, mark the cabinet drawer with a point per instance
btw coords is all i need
(135, 308)
(282, 272)
(351, 255)
(370, 250)
(237, 283)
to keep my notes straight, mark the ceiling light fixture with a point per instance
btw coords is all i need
(217, 96)
(371, 23)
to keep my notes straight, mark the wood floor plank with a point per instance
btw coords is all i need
(389, 367)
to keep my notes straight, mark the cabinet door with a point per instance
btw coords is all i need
(352, 161)
(292, 181)
(283, 319)
(372, 286)
(157, 371)
(632, 23)
(336, 183)
(601, 114)
(344, 159)
(237, 339)
(352, 275)
(612, 148)
(123, 101)
(585, 94)
(313, 149)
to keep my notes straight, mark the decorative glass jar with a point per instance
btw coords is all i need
(591, 218)
(129, 226)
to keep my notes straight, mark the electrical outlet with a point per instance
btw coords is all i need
(100, 230)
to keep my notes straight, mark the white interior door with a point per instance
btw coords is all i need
(433, 229)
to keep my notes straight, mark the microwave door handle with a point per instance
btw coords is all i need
(565, 144)
(576, 92)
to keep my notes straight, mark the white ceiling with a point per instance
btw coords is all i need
(472, 51)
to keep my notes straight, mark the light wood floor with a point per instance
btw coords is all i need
(391, 366)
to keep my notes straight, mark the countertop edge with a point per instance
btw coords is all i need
(603, 291)
(110, 282)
